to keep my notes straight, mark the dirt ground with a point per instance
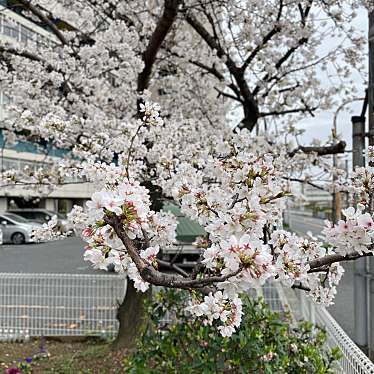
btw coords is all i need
(63, 357)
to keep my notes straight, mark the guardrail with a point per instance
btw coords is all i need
(59, 304)
(353, 360)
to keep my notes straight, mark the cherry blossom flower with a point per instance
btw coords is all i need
(96, 257)
(96, 204)
(150, 254)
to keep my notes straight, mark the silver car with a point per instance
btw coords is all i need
(42, 216)
(16, 229)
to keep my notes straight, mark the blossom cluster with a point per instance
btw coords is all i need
(82, 82)
(323, 286)
(235, 190)
(353, 234)
(217, 306)
(235, 221)
(244, 198)
(49, 231)
(151, 114)
(128, 201)
(251, 259)
(293, 256)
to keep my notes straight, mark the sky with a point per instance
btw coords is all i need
(320, 126)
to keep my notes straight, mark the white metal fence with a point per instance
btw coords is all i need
(273, 297)
(59, 304)
(353, 360)
(85, 304)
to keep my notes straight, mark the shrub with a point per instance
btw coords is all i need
(265, 343)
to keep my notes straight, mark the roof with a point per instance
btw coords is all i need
(187, 229)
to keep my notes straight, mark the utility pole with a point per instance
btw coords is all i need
(364, 267)
(335, 208)
(371, 79)
(336, 197)
(361, 303)
(370, 262)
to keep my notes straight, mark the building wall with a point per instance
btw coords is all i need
(17, 29)
(316, 196)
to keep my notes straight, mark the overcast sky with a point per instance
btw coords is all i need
(319, 127)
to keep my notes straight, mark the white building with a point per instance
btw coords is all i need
(15, 28)
(316, 196)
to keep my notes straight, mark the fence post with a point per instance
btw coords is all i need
(312, 312)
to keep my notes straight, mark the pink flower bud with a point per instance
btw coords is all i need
(87, 232)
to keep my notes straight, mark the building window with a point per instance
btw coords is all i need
(21, 33)
(20, 165)
(26, 34)
(5, 99)
(10, 29)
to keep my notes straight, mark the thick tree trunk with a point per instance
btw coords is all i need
(132, 318)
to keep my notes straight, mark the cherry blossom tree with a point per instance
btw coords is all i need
(90, 90)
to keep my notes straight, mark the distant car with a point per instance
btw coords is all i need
(41, 216)
(16, 229)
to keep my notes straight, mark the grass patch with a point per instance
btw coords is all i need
(87, 357)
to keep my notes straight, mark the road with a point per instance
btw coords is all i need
(66, 256)
(342, 310)
(62, 256)
(303, 224)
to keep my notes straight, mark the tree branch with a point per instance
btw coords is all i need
(288, 111)
(300, 287)
(321, 151)
(155, 277)
(291, 50)
(250, 106)
(331, 259)
(265, 39)
(15, 52)
(304, 181)
(228, 95)
(162, 29)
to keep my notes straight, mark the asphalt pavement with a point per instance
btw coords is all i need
(303, 224)
(61, 256)
(343, 308)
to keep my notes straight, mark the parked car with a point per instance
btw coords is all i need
(16, 229)
(41, 216)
